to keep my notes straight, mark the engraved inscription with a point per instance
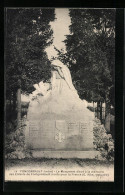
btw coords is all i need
(73, 126)
(34, 129)
(47, 126)
(86, 128)
(34, 126)
(34, 134)
(83, 125)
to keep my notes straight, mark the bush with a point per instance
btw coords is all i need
(15, 144)
(103, 141)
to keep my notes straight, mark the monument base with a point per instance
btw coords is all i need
(55, 136)
(65, 154)
(59, 135)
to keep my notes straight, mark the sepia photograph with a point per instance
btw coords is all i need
(59, 94)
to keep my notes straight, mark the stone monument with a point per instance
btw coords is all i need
(58, 123)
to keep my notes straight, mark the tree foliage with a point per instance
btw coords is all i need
(91, 52)
(28, 34)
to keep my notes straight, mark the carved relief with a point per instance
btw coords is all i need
(59, 136)
(60, 127)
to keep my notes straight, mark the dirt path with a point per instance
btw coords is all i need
(67, 163)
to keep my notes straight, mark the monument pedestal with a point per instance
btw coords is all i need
(61, 137)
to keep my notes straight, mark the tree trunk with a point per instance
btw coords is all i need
(10, 104)
(93, 106)
(19, 107)
(107, 114)
(14, 101)
(95, 109)
(101, 112)
(98, 109)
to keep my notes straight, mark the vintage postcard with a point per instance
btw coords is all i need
(59, 93)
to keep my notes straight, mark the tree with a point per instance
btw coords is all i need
(91, 54)
(105, 26)
(28, 34)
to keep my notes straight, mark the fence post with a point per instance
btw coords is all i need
(101, 112)
(19, 106)
(107, 115)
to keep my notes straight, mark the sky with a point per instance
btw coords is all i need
(60, 28)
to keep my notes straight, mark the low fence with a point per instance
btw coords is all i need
(24, 108)
(101, 116)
